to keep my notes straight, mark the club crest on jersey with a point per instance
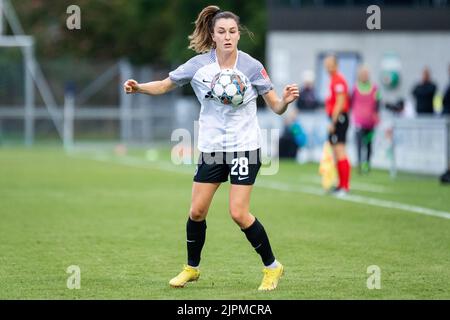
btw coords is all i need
(264, 74)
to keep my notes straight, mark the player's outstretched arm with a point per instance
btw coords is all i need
(279, 106)
(152, 88)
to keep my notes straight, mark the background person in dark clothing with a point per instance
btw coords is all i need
(307, 100)
(424, 93)
(293, 137)
(445, 177)
(446, 101)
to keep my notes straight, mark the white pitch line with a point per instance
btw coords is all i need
(274, 185)
(133, 162)
(360, 186)
(358, 199)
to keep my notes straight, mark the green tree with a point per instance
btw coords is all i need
(146, 31)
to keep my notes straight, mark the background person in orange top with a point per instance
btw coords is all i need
(337, 107)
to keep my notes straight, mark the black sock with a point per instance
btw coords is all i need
(260, 242)
(195, 236)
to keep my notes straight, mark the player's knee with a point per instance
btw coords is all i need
(198, 214)
(340, 152)
(238, 214)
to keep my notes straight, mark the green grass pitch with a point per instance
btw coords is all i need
(122, 221)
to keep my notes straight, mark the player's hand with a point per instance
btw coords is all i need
(290, 93)
(131, 86)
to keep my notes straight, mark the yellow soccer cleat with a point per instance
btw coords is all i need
(271, 278)
(187, 275)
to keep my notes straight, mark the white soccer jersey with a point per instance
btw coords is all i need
(224, 127)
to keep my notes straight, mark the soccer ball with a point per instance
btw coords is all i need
(228, 88)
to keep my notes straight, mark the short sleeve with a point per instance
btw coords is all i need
(184, 73)
(260, 79)
(339, 87)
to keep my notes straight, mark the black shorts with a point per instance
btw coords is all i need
(241, 166)
(340, 130)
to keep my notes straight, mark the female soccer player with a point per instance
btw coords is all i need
(228, 140)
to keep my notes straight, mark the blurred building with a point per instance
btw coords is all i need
(413, 34)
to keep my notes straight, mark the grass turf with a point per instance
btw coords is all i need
(124, 226)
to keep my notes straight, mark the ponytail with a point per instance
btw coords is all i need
(201, 40)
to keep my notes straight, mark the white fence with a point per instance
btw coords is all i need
(419, 145)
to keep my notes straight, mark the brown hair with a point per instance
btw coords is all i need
(201, 40)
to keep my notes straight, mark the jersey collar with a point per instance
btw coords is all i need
(217, 60)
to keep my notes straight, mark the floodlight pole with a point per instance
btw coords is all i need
(1, 18)
(69, 114)
(33, 73)
(125, 102)
(29, 95)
